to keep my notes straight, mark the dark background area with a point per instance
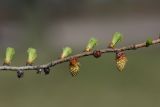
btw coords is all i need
(50, 25)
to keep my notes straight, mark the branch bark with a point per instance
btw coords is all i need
(83, 54)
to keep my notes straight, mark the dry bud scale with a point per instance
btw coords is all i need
(46, 70)
(20, 73)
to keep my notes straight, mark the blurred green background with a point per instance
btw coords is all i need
(50, 25)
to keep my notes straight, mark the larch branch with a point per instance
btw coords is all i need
(83, 54)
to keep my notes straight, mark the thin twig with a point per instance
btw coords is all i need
(83, 54)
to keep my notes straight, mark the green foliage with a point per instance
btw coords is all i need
(32, 55)
(149, 42)
(117, 37)
(9, 55)
(66, 52)
(91, 44)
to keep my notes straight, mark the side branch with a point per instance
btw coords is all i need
(83, 54)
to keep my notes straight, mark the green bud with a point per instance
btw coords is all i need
(148, 42)
(117, 36)
(9, 55)
(66, 52)
(32, 55)
(91, 44)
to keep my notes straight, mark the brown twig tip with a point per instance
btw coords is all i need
(67, 51)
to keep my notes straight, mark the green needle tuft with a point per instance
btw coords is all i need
(9, 55)
(91, 44)
(148, 42)
(117, 37)
(32, 55)
(66, 52)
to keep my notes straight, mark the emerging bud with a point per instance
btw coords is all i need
(148, 42)
(74, 66)
(9, 56)
(91, 44)
(20, 73)
(121, 60)
(117, 36)
(97, 54)
(66, 52)
(32, 55)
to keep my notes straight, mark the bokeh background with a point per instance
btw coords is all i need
(50, 25)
